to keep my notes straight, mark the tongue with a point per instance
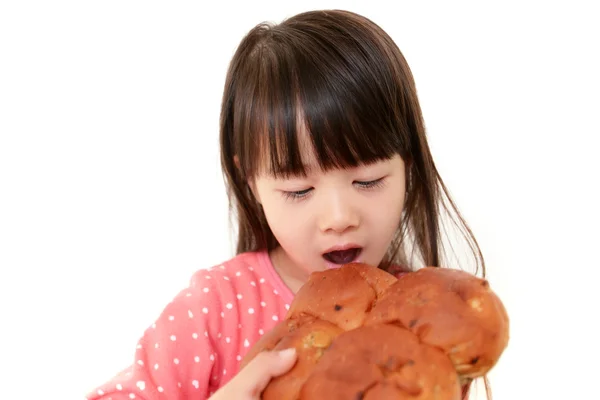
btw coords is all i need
(342, 256)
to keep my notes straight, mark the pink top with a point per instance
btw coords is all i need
(198, 341)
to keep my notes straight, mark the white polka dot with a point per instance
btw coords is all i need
(173, 338)
(222, 314)
(160, 389)
(239, 296)
(238, 273)
(176, 360)
(212, 357)
(287, 306)
(262, 280)
(263, 304)
(246, 343)
(253, 283)
(131, 396)
(119, 386)
(100, 392)
(226, 278)
(140, 362)
(206, 333)
(251, 310)
(188, 295)
(195, 383)
(179, 384)
(205, 310)
(250, 269)
(195, 335)
(155, 366)
(207, 276)
(275, 318)
(171, 318)
(219, 335)
(239, 358)
(275, 291)
(228, 339)
(190, 314)
(141, 385)
(229, 306)
(205, 290)
(261, 332)
(222, 266)
(224, 372)
(197, 359)
(156, 345)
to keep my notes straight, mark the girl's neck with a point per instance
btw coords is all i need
(293, 277)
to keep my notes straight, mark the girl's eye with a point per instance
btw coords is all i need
(298, 194)
(370, 184)
(301, 194)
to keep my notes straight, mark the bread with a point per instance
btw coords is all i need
(361, 333)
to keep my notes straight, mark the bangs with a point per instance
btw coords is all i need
(306, 90)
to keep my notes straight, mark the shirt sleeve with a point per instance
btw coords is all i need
(175, 357)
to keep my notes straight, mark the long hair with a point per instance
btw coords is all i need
(340, 76)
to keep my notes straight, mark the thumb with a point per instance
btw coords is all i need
(266, 366)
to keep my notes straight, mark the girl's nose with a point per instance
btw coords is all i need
(338, 214)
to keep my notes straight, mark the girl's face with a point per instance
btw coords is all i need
(330, 218)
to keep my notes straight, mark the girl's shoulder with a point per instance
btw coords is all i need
(249, 261)
(239, 265)
(242, 272)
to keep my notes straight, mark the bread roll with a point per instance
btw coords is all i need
(449, 309)
(361, 333)
(381, 362)
(341, 296)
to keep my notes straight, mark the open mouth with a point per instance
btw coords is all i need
(342, 256)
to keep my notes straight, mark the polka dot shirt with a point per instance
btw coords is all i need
(199, 339)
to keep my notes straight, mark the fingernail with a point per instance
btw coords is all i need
(287, 352)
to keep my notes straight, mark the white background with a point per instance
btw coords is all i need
(111, 194)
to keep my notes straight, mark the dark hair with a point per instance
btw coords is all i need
(340, 76)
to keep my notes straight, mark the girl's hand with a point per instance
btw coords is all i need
(249, 383)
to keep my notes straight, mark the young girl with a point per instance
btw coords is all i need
(325, 156)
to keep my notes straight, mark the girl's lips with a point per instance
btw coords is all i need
(342, 247)
(330, 265)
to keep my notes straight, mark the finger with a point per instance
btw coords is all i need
(266, 366)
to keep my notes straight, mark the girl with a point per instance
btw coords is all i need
(325, 157)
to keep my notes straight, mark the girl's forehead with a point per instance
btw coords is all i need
(305, 152)
(306, 149)
(313, 144)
